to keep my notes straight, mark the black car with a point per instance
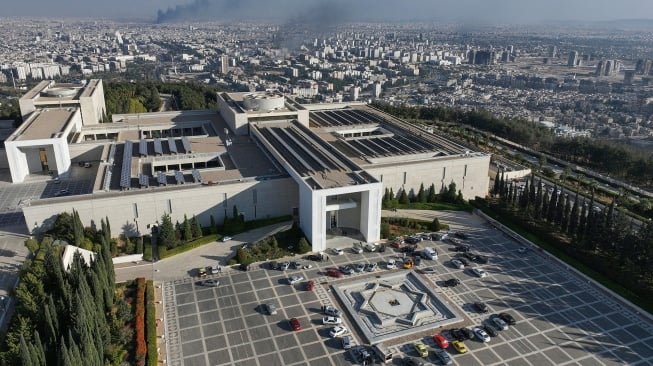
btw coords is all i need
(314, 257)
(481, 259)
(465, 261)
(460, 234)
(471, 256)
(457, 334)
(467, 333)
(408, 249)
(462, 248)
(410, 361)
(381, 248)
(452, 282)
(273, 265)
(412, 240)
(481, 307)
(417, 259)
(508, 318)
(490, 331)
(244, 267)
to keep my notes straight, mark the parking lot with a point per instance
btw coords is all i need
(561, 319)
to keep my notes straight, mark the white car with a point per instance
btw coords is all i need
(370, 247)
(360, 267)
(481, 334)
(479, 272)
(215, 269)
(337, 251)
(337, 331)
(457, 264)
(226, 238)
(499, 323)
(392, 264)
(331, 320)
(357, 250)
(294, 279)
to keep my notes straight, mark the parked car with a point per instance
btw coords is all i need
(294, 279)
(284, 266)
(331, 320)
(457, 334)
(420, 348)
(370, 247)
(412, 240)
(337, 251)
(441, 341)
(462, 248)
(347, 269)
(346, 342)
(210, 283)
(271, 309)
(295, 265)
(380, 248)
(314, 257)
(481, 259)
(481, 307)
(360, 267)
(455, 263)
(408, 263)
(471, 256)
(479, 272)
(332, 272)
(310, 285)
(490, 330)
(397, 244)
(273, 265)
(410, 361)
(499, 323)
(508, 318)
(372, 267)
(444, 357)
(464, 260)
(294, 324)
(522, 250)
(357, 250)
(481, 334)
(226, 238)
(244, 267)
(337, 331)
(201, 272)
(452, 282)
(459, 346)
(461, 235)
(332, 311)
(215, 269)
(467, 333)
(391, 264)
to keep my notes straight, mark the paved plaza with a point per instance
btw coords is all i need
(561, 318)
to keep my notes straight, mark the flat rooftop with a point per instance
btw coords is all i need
(46, 124)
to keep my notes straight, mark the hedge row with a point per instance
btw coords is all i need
(165, 253)
(150, 317)
(141, 347)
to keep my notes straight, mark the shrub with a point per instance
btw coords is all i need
(152, 354)
(141, 346)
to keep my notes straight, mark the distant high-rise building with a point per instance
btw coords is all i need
(224, 64)
(629, 76)
(573, 59)
(553, 51)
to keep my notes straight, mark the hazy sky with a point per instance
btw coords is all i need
(487, 11)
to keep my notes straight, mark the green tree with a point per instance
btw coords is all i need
(197, 229)
(435, 225)
(187, 230)
(432, 195)
(403, 197)
(385, 230)
(166, 235)
(303, 246)
(421, 194)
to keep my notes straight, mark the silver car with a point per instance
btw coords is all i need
(271, 309)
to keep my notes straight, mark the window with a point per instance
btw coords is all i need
(465, 173)
(381, 178)
(404, 177)
(444, 172)
(254, 196)
(169, 206)
(135, 210)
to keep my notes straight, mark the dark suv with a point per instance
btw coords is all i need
(452, 282)
(481, 307)
(508, 318)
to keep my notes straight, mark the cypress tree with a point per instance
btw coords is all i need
(197, 228)
(431, 196)
(502, 186)
(497, 184)
(25, 354)
(403, 197)
(187, 230)
(566, 212)
(582, 223)
(421, 195)
(552, 206)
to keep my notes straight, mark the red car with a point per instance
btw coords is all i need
(334, 273)
(294, 324)
(310, 285)
(441, 341)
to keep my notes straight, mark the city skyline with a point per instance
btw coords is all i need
(464, 11)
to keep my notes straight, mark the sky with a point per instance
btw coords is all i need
(459, 11)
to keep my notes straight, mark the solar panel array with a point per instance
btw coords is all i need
(172, 145)
(126, 172)
(343, 117)
(142, 147)
(161, 178)
(186, 143)
(158, 149)
(179, 176)
(144, 180)
(197, 176)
